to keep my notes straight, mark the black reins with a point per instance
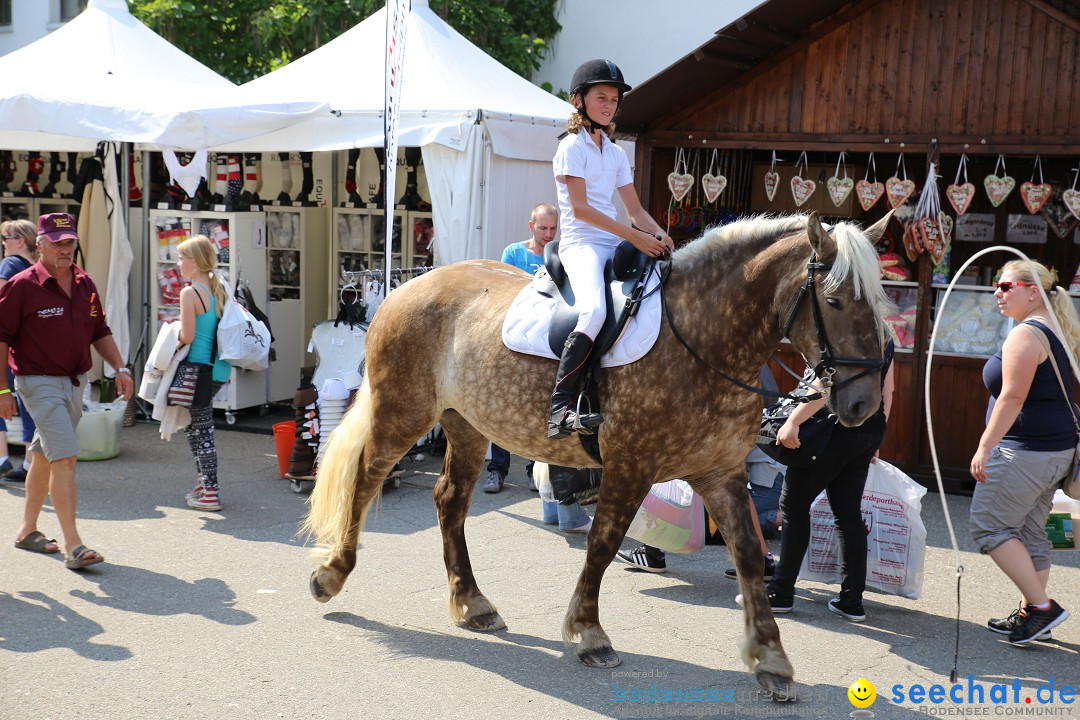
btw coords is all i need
(825, 368)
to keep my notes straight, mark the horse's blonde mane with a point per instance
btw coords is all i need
(855, 255)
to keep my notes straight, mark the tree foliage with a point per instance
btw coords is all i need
(244, 39)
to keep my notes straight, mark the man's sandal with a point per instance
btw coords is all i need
(37, 542)
(78, 559)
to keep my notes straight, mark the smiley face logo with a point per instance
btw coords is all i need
(862, 693)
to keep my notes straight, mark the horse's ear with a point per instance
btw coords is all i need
(875, 231)
(824, 246)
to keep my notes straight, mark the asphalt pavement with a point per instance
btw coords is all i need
(207, 615)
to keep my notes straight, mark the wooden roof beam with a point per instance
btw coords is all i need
(711, 55)
(770, 32)
(1061, 17)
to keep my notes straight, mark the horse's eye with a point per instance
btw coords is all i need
(832, 302)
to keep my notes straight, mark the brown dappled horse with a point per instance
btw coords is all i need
(435, 353)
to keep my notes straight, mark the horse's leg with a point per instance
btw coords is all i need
(729, 504)
(621, 493)
(351, 473)
(465, 450)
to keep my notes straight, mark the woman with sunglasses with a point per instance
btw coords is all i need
(20, 252)
(1028, 444)
(589, 169)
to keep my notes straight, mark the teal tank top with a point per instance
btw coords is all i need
(203, 344)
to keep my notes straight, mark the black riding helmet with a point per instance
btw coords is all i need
(597, 72)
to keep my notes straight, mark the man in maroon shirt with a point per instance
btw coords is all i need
(50, 315)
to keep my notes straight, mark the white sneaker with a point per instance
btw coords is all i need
(582, 529)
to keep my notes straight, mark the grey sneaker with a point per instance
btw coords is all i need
(493, 483)
(1005, 626)
(1037, 623)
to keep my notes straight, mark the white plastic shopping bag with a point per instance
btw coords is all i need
(243, 340)
(895, 535)
(671, 518)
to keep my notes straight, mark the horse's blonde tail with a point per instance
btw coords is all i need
(331, 502)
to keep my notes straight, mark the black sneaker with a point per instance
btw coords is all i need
(1037, 623)
(646, 558)
(853, 611)
(779, 605)
(1004, 626)
(770, 567)
(5, 467)
(16, 475)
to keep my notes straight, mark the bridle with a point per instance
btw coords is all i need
(826, 367)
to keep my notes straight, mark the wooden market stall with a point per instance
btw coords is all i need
(894, 85)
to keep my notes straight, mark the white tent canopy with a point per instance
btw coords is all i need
(487, 134)
(106, 76)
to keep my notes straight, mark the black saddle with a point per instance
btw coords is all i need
(624, 276)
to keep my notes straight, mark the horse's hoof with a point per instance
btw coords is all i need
(781, 688)
(488, 622)
(317, 590)
(602, 657)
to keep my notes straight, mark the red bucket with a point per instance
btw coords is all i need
(284, 436)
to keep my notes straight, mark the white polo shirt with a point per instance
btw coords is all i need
(604, 170)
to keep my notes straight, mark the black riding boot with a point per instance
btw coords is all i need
(564, 417)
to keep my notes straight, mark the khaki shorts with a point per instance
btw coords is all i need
(56, 407)
(1016, 498)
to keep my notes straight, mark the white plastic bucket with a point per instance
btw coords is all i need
(99, 434)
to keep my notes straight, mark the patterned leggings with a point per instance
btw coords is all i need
(200, 436)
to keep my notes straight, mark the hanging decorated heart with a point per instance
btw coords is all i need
(911, 245)
(960, 196)
(680, 184)
(713, 185)
(938, 247)
(898, 187)
(946, 223)
(869, 193)
(997, 186)
(1071, 199)
(1035, 196)
(801, 190)
(772, 179)
(899, 190)
(839, 189)
(1058, 218)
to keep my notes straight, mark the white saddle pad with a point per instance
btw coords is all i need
(526, 326)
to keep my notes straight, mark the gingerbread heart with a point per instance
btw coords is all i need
(680, 184)
(713, 185)
(868, 193)
(998, 188)
(801, 190)
(839, 189)
(1058, 218)
(772, 182)
(899, 190)
(911, 243)
(1071, 199)
(946, 223)
(960, 196)
(1035, 196)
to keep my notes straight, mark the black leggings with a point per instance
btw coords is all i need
(841, 473)
(200, 437)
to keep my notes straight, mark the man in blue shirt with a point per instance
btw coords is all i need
(527, 255)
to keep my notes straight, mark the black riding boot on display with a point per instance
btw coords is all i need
(564, 418)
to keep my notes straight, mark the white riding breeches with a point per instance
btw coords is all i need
(584, 265)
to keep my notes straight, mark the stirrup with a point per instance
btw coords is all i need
(585, 423)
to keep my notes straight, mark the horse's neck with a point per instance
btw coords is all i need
(730, 296)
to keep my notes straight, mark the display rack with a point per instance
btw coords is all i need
(241, 242)
(14, 207)
(296, 258)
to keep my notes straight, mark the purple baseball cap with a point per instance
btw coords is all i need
(57, 227)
